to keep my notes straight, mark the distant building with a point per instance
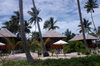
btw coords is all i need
(54, 37)
(89, 38)
(5, 33)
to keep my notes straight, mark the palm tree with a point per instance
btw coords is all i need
(12, 43)
(39, 47)
(45, 53)
(82, 27)
(33, 18)
(26, 49)
(34, 36)
(14, 23)
(90, 5)
(86, 25)
(50, 24)
(69, 35)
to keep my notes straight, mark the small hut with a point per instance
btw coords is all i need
(5, 33)
(54, 37)
(89, 38)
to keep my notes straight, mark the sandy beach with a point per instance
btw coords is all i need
(22, 56)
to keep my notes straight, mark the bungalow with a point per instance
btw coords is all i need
(54, 37)
(89, 38)
(5, 33)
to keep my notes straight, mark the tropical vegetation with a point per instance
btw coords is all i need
(13, 24)
(93, 60)
(36, 43)
(69, 35)
(50, 24)
(86, 25)
(36, 13)
(90, 5)
(75, 46)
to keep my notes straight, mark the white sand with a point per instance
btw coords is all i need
(22, 56)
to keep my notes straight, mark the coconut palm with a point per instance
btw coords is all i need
(86, 25)
(22, 29)
(34, 36)
(90, 5)
(82, 27)
(14, 23)
(12, 43)
(33, 17)
(45, 53)
(50, 24)
(69, 35)
(38, 43)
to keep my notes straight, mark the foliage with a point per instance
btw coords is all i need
(93, 60)
(90, 5)
(50, 24)
(69, 35)
(86, 25)
(12, 44)
(39, 43)
(76, 46)
(34, 36)
(33, 16)
(52, 51)
(13, 24)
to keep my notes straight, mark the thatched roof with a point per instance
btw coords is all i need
(6, 33)
(80, 37)
(53, 34)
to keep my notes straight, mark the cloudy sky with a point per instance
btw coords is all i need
(64, 11)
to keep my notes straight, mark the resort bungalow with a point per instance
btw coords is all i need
(54, 37)
(5, 33)
(91, 40)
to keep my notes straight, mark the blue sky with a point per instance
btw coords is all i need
(64, 11)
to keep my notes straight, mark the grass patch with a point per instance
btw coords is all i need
(93, 60)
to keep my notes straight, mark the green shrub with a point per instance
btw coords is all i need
(93, 60)
(76, 46)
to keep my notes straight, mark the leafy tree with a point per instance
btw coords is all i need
(12, 44)
(38, 45)
(86, 25)
(76, 46)
(90, 5)
(34, 36)
(13, 24)
(50, 24)
(68, 35)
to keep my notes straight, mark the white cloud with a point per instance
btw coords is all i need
(65, 11)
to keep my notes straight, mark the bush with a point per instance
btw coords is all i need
(93, 60)
(76, 46)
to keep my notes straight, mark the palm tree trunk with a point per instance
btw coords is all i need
(45, 53)
(93, 22)
(26, 49)
(82, 24)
